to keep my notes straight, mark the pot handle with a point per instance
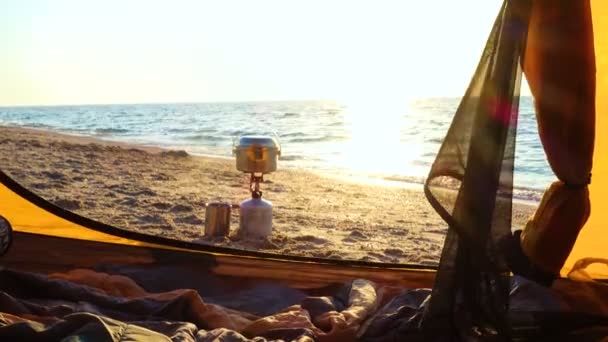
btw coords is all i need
(276, 136)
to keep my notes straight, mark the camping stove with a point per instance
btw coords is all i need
(256, 155)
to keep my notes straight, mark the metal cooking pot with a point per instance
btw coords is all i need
(256, 154)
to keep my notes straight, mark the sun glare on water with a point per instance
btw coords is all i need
(376, 142)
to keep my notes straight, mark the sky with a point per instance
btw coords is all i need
(136, 51)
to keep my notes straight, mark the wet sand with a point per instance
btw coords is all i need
(163, 192)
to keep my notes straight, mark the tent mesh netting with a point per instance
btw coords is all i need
(470, 185)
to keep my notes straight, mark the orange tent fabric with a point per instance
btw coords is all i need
(560, 67)
(593, 238)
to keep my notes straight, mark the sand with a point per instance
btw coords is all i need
(163, 192)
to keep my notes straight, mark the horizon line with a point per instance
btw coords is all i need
(208, 101)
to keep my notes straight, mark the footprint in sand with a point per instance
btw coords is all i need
(41, 186)
(394, 252)
(144, 192)
(35, 143)
(114, 187)
(324, 254)
(68, 204)
(437, 231)
(175, 154)
(53, 175)
(376, 255)
(311, 238)
(90, 204)
(180, 208)
(130, 201)
(74, 162)
(306, 247)
(367, 258)
(355, 236)
(190, 219)
(161, 177)
(151, 219)
(270, 245)
(161, 205)
(398, 232)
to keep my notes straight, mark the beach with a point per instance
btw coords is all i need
(163, 192)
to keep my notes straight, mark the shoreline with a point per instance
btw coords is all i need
(158, 191)
(404, 182)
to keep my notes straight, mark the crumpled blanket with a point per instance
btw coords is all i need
(536, 313)
(114, 308)
(86, 305)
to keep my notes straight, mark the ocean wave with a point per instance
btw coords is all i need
(227, 132)
(111, 130)
(314, 139)
(294, 134)
(310, 139)
(528, 194)
(292, 157)
(9, 123)
(204, 137)
(404, 179)
(519, 193)
(290, 115)
(33, 125)
(179, 130)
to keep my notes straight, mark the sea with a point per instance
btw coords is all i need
(384, 141)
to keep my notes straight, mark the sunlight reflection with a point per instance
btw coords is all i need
(376, 143)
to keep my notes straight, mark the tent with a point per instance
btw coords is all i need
(48, 239)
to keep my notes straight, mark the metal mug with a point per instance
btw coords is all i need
(217, 219)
